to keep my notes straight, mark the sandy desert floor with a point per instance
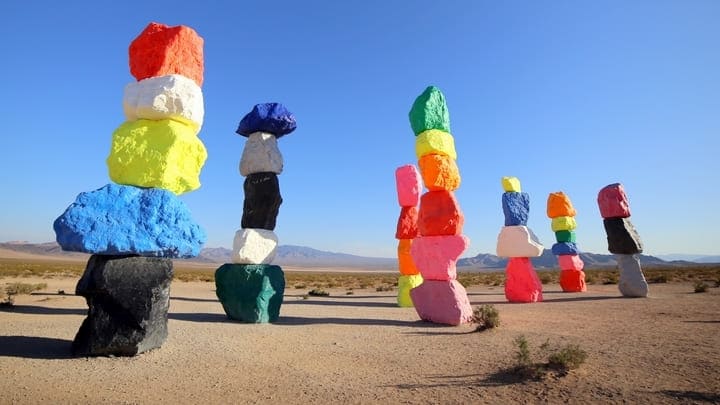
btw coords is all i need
(362, 348)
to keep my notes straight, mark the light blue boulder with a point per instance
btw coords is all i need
(120, 220)
(516, 207)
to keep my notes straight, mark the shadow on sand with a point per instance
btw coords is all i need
(38, 310)
(34, 347)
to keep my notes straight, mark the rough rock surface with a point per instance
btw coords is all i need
(563, 224)
(409, 185)
(566, 236)
(622, 236)
(511, 184)
(436, 256)
(518, 241)
(120, 220)
(262, 201)
(443, 302)
(429, 111)
(250, 293)
(407, 226)
(163, 154)
(570, 262)
(165, 97)
(128, 299)
(559, 205)
(405, 284)
(434, 141)
(565, 248)
(572, 281)
(406, 264)
(632, 281)
(440, 214)
(261, 154)
(516, 207)
(163, 50)
(272, 118)
(521, 281)
(613, 202)
(439, 172)
(254, 246)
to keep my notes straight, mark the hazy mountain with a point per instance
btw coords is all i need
(708, 259)
(549, 261)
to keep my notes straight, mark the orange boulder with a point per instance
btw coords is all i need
(559, 205)
(440, 214)
(162, 50)
(439, 172)
(406, 263)
(572, 281)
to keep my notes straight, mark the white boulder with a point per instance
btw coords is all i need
(261, 154)
(254, 246)
(518, 241)
(165, 97)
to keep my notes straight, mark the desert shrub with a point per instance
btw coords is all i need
(384, 288)
(300, 286)
(589, 279)
(545, 277)
(701, 287)
(318, 293)
(349, 292)
(560, 361)
(23, 288)
(611, 278)
(486, 317)
(658, 279)
(568, 358)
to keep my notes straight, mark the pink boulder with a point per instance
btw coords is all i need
(407, 223)
(435, 256)
(409, 185)
(443, 302)
(613, 202)
(521, 282)
(570, 262)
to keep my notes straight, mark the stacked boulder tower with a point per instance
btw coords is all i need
(562, 213)
(251, 288)
(136, 225)
(518, 243)
(409, 187)
(440, 242)
(623, 240)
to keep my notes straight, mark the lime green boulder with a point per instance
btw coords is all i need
(405, 284)
(250, 293)
(435, 142)
(429, 111)
(566, 236)
(157, 153)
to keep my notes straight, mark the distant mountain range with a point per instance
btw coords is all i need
(301, 256)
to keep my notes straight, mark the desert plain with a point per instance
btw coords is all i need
(357, 346)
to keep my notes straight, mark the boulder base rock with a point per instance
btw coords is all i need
(121, 220)
(613, 202)
(409, 185)
(272, 118)
(250, 293)
(518, 241)
(434, 141)
(516, 207)
(444, 302)
(563, 224)
(405, 284)
(429, 111)
(622, 236)
(565, 248)
(632, 280)
(439, 172)
(128, 299)
(164, 154)
(440, 214)
(566, 236)
(572, 281)
(254, 246)
(559, 205)
(261, 154)
(162, 50)
(262, 201)
(511, 184)
(521, 281)
(436, 256)
(165, 97)
(407, 226)
(406, 264)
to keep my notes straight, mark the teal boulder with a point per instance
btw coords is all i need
(429, 111)
(251, 293)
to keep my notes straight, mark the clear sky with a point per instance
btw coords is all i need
(565, 95)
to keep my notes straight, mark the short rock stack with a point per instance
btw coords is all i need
(562, 213)
(409, 187)
(134, 228)
(250, 288)
(440, 298)
(623, 239)
(518, 243)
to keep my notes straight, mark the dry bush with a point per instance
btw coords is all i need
(486, 317)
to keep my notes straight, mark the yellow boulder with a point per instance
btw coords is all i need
(563, 224)
(435, 141)
(157, 153)
(511, 184)
(405, 284)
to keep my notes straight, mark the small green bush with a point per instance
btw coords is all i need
(701, 287)
(486, 317)
(569, 357)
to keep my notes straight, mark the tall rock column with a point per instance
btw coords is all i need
(251, 288)
(562, 213)
(135, 227)
(409, 187)
(518, 243)
(440, 242)
(623, 239)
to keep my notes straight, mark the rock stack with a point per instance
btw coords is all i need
(135, 227)
(440, 242)
(623, 239)
(562, 213)
(250, 288)
(518, 243)
(409, 187)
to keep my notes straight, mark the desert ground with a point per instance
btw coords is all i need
(362, 348)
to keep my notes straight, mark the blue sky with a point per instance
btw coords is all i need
(565, 95)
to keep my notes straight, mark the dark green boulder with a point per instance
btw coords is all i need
(251, 293)
(565, 236)
(429, 111)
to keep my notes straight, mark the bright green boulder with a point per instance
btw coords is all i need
(566, 236)
(405, 284)
(157, 153)
(429, 111)
(251, 293)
